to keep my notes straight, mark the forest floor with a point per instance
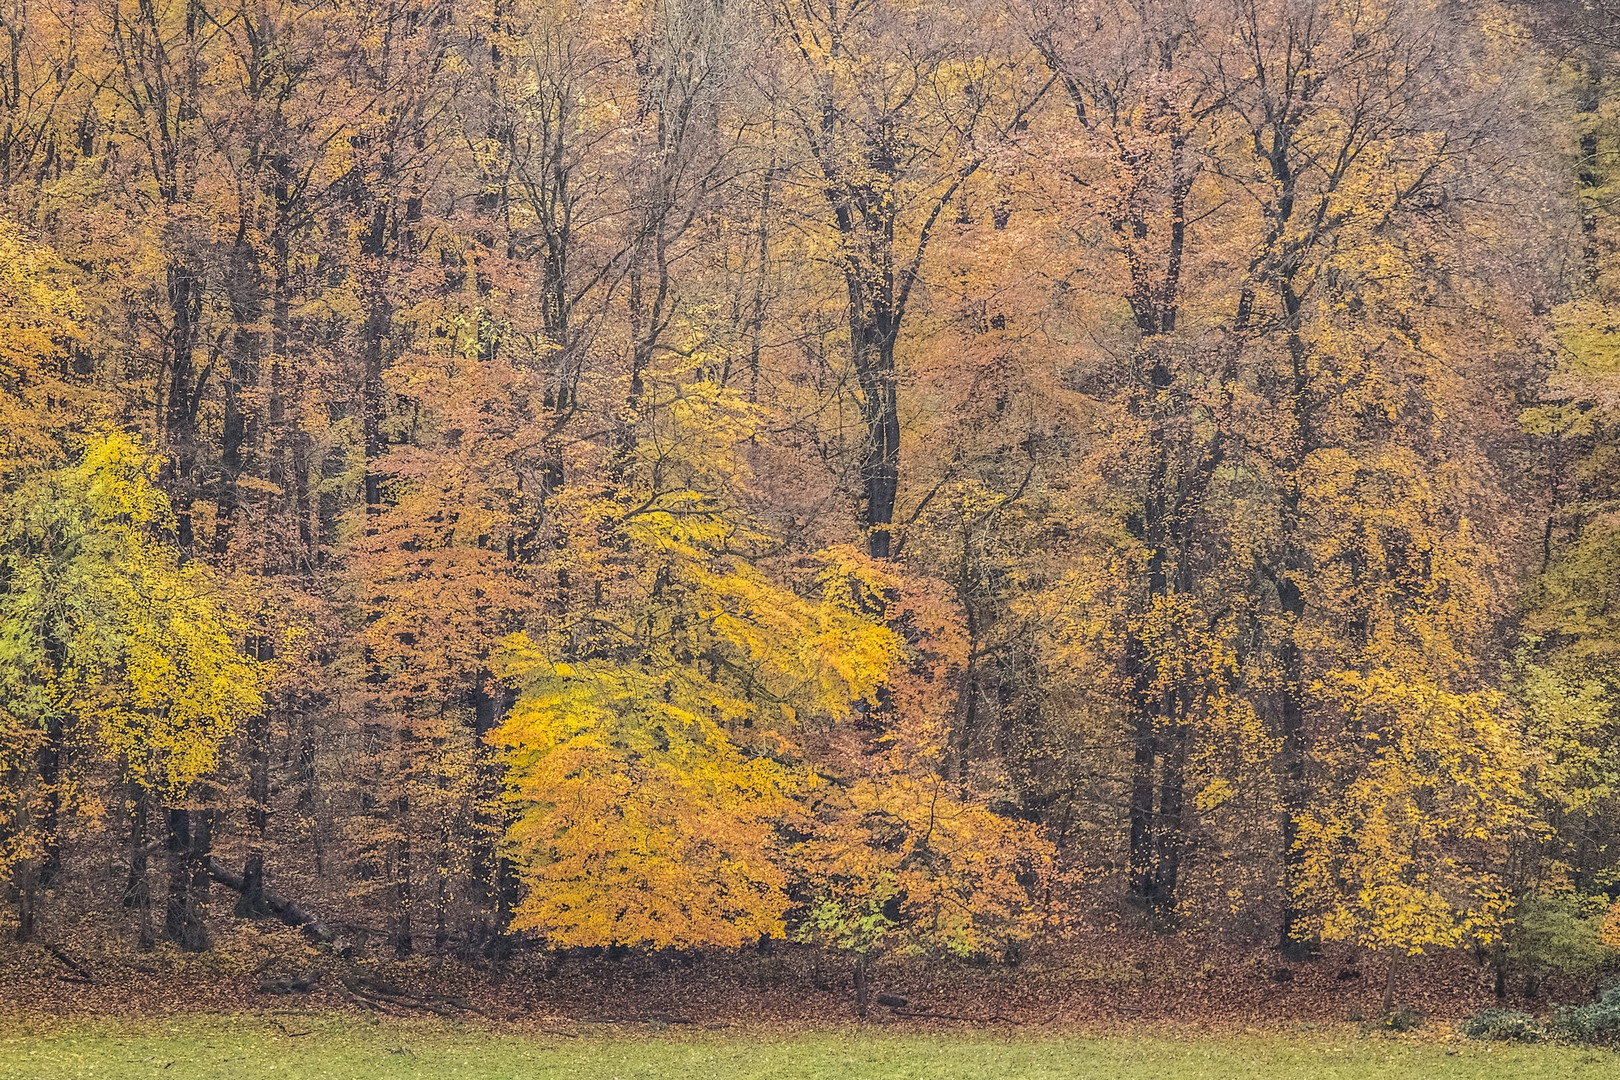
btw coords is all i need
(265, 1004)
(1105, 981)
(304, 1046)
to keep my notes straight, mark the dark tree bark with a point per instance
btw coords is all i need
(27, 885)
(288, 911)
(138, 889)
(251, 904)
(186, 913)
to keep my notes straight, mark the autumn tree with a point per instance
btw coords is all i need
(1562, 669)
(893, 122)
(115, 647)
(1134, 137)
(40, 323)
(1401, 861)
(657, 739)
(1345, 164)
(513, 371)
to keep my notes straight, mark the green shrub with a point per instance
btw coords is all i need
(1598, 1022)
(1503, 1025)
(1559, 934)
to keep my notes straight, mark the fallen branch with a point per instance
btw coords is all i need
(80, 973)
(288, 911)
(373, 993)
(298, 983)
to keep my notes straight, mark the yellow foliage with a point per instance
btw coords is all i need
(1400, 858)
(912, 858)
(639, 821)
(1610, 933)
(39, 318)
(103, 626)
(655, 743)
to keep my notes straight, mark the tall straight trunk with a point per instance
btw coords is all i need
(138, 890)
(970, 669)
(40, 814)
(874, 337)
(202, 849)
(1144, 754)
(185, 292)
(1290, 658)
(242, 374)
(1159, 720)
(27, 873)
(1172, 805)
(489, 866)
(304, 768)
(177, 919)
(756, 318)
(441, 904)
(1152, 529)
(186, 911)
(403, 932)
(296, 444)
(27, 884)
(378, 320)
(251, 904)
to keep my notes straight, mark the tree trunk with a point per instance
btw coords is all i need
(180, 407)
(176, 916)
(1172, 804)
(403, 932)
(197, 896)
(1290, 658)
(1389, 986)
(242, 374)
(138, 890)
(860, 985)
(27, 897)
(1147, 698)
(880, 408)
(1293, 778)
(1144, 752)
(251, 904)
(35, 873)
(286, 910)
(185, 914)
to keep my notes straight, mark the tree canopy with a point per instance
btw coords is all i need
(888, 475)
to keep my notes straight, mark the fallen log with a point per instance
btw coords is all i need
(78, 971)
(377, 994)
(288, 911)
(298, 983)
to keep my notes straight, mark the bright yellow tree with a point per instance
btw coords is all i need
(1401, 859)
(106, 636)
(656, 742)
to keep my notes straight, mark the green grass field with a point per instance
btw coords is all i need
(333, 1047)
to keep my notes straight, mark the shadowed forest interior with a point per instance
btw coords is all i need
(904, 478)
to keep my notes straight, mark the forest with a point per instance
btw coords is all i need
(888, 480)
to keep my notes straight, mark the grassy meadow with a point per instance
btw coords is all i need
(302, 1047)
